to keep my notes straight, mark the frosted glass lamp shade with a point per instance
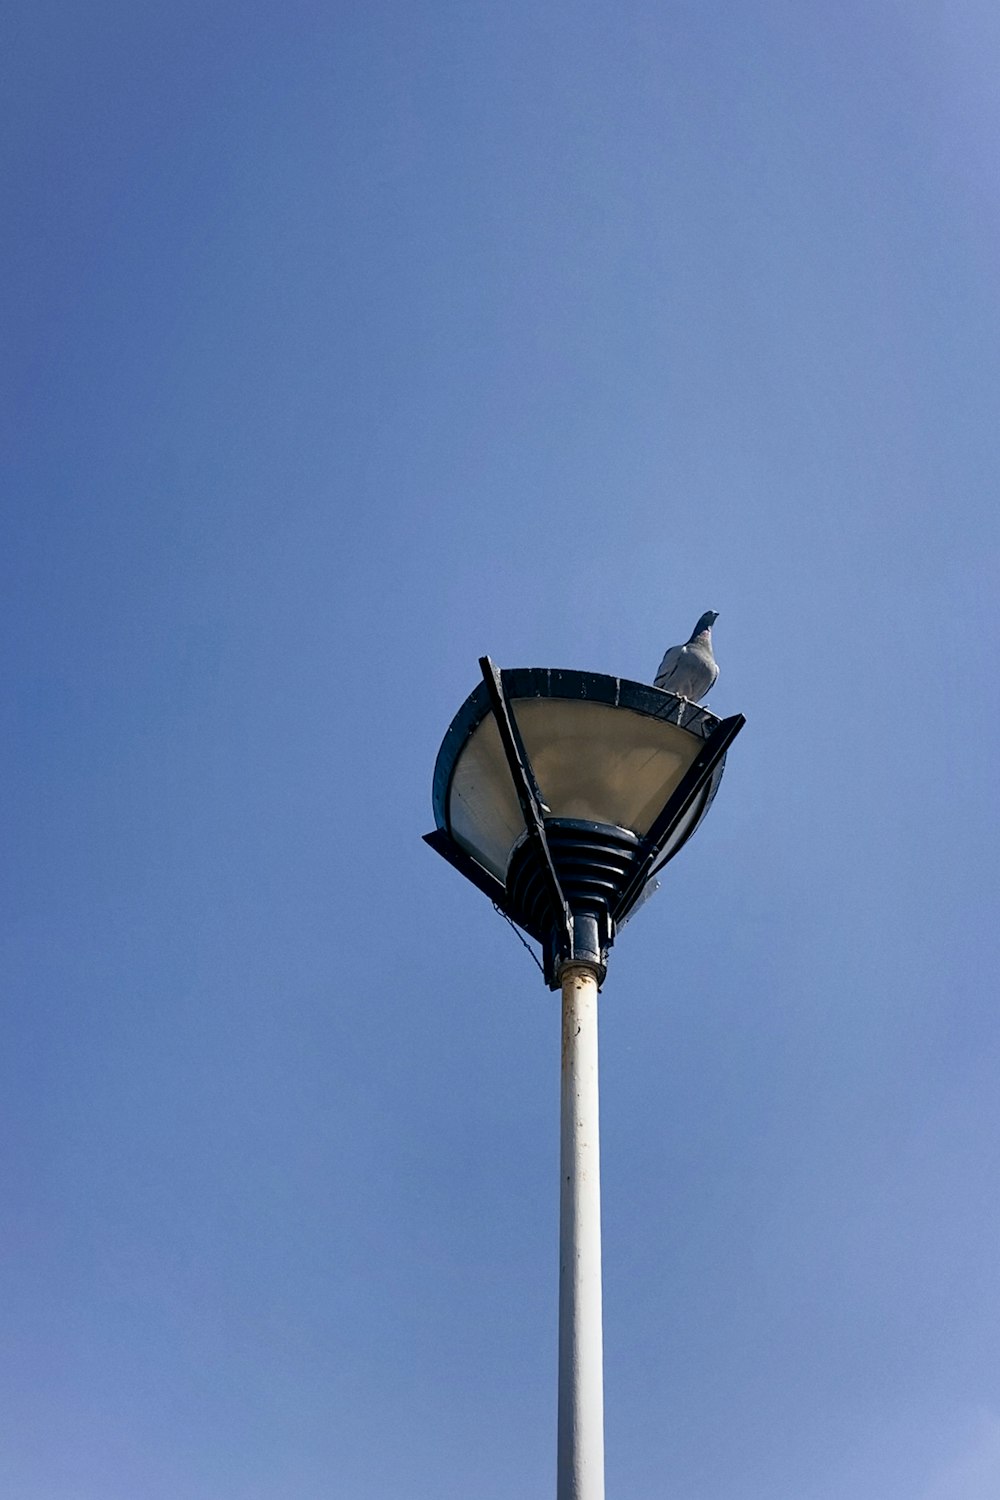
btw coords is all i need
(601, 749)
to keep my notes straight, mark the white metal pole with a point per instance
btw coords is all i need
(580, 1453)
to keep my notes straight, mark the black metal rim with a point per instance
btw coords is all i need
(553, 682)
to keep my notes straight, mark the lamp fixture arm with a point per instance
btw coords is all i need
(527, 792)
(677, 804)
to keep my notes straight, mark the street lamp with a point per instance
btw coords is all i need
(561, 795)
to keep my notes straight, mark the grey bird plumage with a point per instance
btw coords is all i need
(690, 670)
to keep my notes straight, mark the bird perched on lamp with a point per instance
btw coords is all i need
(690, 670)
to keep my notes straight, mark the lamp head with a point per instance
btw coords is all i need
(561, 795)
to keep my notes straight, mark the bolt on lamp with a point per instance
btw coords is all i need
(561, 795)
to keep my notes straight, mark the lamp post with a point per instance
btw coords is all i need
(561, 795)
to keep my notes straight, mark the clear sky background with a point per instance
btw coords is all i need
(343, 343)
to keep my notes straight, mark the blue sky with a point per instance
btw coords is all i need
(344, 344)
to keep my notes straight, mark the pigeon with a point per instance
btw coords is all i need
(689, 671)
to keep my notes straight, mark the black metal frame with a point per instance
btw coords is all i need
(527, 794)
(586, 934)
(694, 780)
(443, 843)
